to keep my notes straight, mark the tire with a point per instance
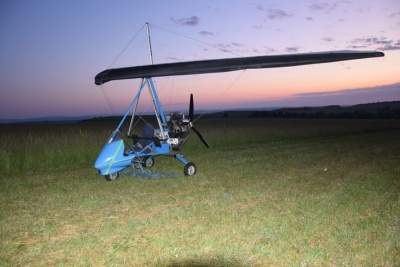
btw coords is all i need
(111, 176)
(148, 162)
(189, 169)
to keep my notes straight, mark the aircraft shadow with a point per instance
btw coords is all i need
(212, 262)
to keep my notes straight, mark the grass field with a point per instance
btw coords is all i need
(267, 193)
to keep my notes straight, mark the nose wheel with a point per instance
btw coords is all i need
(148, 162)
(111, 176)
(189, 169)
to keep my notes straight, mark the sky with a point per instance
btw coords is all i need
(52, 50)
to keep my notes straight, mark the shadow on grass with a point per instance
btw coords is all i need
(213, 262)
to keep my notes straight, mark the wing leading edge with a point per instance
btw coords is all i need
(230, 64)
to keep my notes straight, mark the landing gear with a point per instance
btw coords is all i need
(111, 176)
(148, 162)
(189, 169)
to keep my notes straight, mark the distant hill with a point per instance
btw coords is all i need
(379, 110)
(50, 119)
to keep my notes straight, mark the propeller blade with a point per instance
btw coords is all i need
(191, 112)
(191, 108)
(201, 137)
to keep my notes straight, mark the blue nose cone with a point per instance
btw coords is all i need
(111, 158)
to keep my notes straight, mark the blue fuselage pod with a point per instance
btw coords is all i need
(163, 149)
(111, 158)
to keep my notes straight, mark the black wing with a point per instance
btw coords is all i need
(230, 64)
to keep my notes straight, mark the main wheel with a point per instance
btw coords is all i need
(148, 162)
(189, 169)
(111, 176)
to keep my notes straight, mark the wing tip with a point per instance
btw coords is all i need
(379, 54)
(100, 78)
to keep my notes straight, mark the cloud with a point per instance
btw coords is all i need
(328, 39)
(192, 21)
(388, 90)
(274, 13)
(381, 93)
(260, 7)
(327, 7)
(270, 50)
(258, 27)
(174, 59)
(224, 47)
(390, 47)
(381, 43)
(292, 49)
(320, 7)
(207, 33)
(394, 15)
(363, 95)
(277, 14)
(230, 48)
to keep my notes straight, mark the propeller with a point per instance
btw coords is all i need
(191, 113)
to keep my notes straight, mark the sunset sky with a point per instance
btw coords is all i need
(52, 50)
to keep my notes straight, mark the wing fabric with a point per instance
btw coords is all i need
(230, 64)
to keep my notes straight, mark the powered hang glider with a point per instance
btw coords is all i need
(173, 130)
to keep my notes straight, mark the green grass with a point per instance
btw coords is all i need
(267, 193)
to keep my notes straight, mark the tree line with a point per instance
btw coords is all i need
(334, 112)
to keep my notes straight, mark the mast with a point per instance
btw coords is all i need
(144, 80)
(153, 92)
(149, 41)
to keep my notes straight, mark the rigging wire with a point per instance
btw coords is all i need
(140, 117)
(108, 100)
(103, 89)
(215, 47)
(190, 38)
(170, 91)
(221, 95)
(129, 43)
(162, 52)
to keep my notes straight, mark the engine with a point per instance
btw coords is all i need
(179, 128)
